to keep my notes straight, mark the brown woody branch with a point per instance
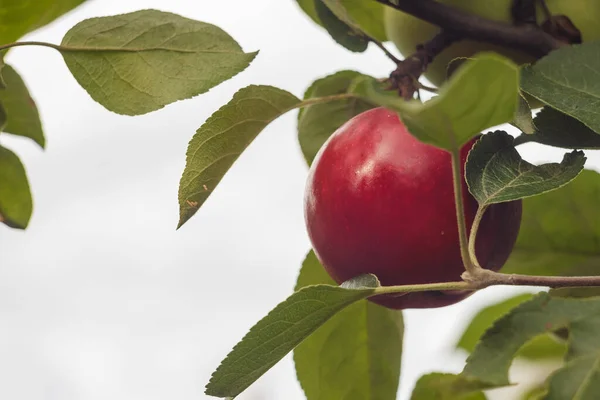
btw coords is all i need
(527, 38)
(405, 78)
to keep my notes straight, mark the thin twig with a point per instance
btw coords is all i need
(485, 278)
(386, 51)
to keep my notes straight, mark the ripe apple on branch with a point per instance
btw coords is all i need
(412, 204)
(408, 203)
(379, 201)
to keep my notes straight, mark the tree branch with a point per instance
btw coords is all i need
(405, 77)
(527, 38)
(484, 278)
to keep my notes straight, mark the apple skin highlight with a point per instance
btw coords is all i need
(380, 201)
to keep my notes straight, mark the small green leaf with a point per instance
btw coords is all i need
(16, 204)
(554, 128)
(365, 14)
(523, 119)
(19, 17)
(580, 376)
(317, 122)
(567, 80)
(139, 62)
(286, 326)
(223, 137)
(354, 355)
(438, 386)
(542, 347)
(495, 172)
(340, 31)
(482, 93)
(23, 118)
(560, 233)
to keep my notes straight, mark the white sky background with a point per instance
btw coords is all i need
(102, 299)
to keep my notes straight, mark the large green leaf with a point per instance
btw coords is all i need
(579, 378)
(365, 14)
(560, 231)
(16, 204)
(554, 128)
(18, 17)
(317, 122)
(438, 386)
(542, 347)
(567, 80)
(286, 326)
(223, 137)
(139, 62)
(356, 354)
(23, 118)
(340, 31)
(226, 134)
(482, 93)
(495, 172)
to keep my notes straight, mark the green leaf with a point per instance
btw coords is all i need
(523, 119)
(495, 172)
(560, 233)
(554, 128)
(341, 32)
(542, 347)
(308, 6)
(363, 15)
(317, 122)
(139, 62)
(578, 378)
(2, 64)
(366, 14)
(535, 393)
(286, 326)
(482, 93)
(354, 355)
(16, 204)
(567, 80)
(19, 17)
(577, 292)
(23, 118)
(438, 386)
(223, 137)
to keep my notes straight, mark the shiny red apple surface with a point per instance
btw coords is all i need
(380, 201)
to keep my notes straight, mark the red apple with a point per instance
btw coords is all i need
(380, 201)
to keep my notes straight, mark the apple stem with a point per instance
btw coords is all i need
(460, 213)
(473, 235)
